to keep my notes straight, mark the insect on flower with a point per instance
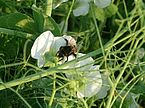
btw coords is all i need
(69, 49)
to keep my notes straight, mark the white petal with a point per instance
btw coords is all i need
(105, 86)
(140, 53)
(41, 45)
(57, 43)
(82, 8)
(40, 62)
(84, 64)
(102, 3)
(93, 83)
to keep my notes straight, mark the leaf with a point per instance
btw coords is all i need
(102, 3)
(17, 21)
(57, 3)
(129, 101)
(7, 6)
(139, 88)
(50, 24)
(82, 8)
(38, 19)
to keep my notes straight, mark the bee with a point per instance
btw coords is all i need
(69, 49)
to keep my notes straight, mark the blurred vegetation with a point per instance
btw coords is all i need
(118, 30)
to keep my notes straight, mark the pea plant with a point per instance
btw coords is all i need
(72, 53)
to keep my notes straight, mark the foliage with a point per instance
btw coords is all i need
(113, 34)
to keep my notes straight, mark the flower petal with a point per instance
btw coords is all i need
(40, 62)
(41, 45)
(83, 64)
(105, 86)
(82, 8)
(57, 43)
(93, 83)
(102, 3)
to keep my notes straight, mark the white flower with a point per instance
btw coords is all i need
(82, 7)
(102, 3)
(105, 86)
(86, 76)
(92, 84)
(46, 42)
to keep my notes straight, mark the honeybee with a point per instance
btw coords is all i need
(69, 49)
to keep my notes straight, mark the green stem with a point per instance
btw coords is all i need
(68, 15)
(53, 92)
(16, 33)
(97, 29)
(11, 65)
(84, 102)
(42, 73)
(25, 50)
(48, 8)
(109, 104)
(28, 105)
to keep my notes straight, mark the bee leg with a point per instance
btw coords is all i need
(75, 55)
(66, 41)
(66, 59)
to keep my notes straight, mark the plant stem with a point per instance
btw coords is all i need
(28, 105)
(16, 33)
(43, 73)
(109, 104)
(97, 29)
(53, 92)
(48, 8)
(66, 21)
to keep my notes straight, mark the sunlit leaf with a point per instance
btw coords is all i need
(17, 21)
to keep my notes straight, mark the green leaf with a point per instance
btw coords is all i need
(17, 21)
(129, 101)
(51, 25)
(38, 19)
(7, 6)
(110, 10)
(139, 88)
